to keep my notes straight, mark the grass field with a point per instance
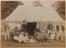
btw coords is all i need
(54, 43)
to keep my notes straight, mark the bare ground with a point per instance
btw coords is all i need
(10, 43)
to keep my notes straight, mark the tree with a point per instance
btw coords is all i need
(7, 7)
(60, 8)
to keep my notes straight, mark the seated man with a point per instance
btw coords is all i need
(32, 40)
(39, 36)
(52, 35)
(23, 37)
(45, 36)
(14, 32)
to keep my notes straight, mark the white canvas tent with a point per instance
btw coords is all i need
(32, 13)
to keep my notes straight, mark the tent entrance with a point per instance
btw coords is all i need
(31, 27)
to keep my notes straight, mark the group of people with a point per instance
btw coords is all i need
(57, 32)
(21, 35)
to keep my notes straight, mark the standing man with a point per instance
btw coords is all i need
(6, 30)
(60, 33)
(23, 26)
(57, 29)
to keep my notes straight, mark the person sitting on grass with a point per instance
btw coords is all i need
(23, 37)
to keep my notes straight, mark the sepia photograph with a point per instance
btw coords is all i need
(33, 23)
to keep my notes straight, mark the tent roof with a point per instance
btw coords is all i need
(32, 13)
